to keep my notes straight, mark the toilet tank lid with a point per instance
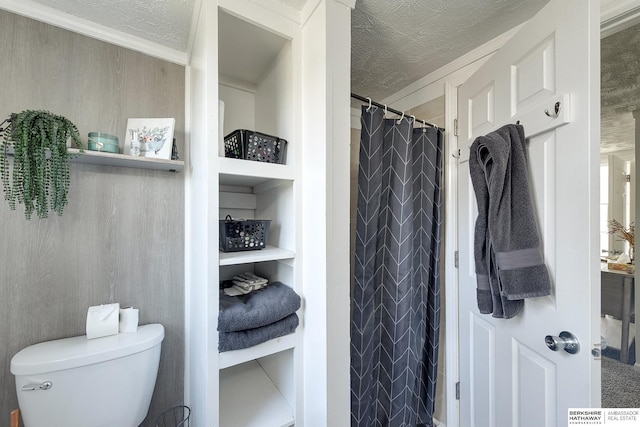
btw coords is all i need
(74, 352)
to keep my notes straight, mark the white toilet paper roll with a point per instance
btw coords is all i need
(102, 320)
(128, 319)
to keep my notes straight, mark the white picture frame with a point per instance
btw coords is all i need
(155, 136)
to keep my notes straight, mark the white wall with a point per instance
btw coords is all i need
(325, 163)
(112, 242)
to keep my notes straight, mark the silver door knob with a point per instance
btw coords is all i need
(565, 341)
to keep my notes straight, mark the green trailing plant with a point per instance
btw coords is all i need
(39, 178)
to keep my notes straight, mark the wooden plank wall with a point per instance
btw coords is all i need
(121, 238)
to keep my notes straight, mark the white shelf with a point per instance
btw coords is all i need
(248, 398)
(270, 253)
(258, 66)
(122, 160)
(251, 174)
(228, 359)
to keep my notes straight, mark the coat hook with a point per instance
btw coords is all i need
(557, 111)
(369, 107)
(457, 154)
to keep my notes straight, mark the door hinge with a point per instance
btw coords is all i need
(456, 259)
(455, 127)
(458, 390)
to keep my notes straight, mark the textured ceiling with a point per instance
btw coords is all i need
(396, 42)
(165, 22)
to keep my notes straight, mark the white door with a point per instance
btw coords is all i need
(617, 208)
(508, 376)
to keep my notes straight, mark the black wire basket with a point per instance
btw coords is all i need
(178, 416)
(256, 146)
(243, 235)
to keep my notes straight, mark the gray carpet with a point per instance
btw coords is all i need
(620, 385)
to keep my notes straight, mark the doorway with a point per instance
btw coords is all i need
(620, 110)
(432, 111)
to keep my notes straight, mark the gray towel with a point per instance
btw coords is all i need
(509, 261)
(228, 341)
(258, 308)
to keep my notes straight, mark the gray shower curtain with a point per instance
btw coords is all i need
(396, 296)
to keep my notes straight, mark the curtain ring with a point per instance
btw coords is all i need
(385, 110)
(414, 118)
(369, 107)
(400, 119)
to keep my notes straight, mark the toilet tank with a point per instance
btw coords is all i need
(79, 382)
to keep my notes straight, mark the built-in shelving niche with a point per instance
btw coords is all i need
(257, 385)
(250, 397)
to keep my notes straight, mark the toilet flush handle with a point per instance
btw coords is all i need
(42, 386)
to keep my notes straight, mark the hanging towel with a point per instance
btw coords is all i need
(507, 248)
(258, 308)
(228, 341)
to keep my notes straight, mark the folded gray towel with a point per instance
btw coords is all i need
(509, 261)
(258, 308)
(228, 341)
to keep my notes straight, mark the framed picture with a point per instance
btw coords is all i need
(154, 137)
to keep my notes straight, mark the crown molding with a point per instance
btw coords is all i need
(85, 27)
(617, 15)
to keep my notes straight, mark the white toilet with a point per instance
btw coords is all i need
(103, 382)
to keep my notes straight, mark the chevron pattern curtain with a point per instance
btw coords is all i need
(396, 296)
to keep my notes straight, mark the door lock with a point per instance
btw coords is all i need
(566, 341)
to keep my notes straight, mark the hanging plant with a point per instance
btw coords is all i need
(40, 175)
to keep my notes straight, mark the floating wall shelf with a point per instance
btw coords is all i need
(122, 160)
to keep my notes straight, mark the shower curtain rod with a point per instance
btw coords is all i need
(391, 110)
